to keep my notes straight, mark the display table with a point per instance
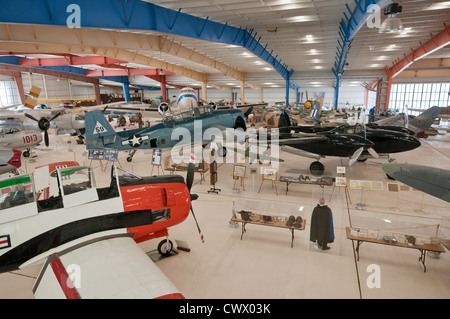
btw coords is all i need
(306, 179)
(422, 248)
(275, 222)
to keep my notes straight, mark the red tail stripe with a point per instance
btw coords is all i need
(172, 296)
(63, 279)
(16, 159)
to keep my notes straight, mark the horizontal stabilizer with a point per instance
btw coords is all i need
(112, 268)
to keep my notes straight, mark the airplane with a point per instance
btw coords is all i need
(100, 134)
(10, 160)
(419, 126)
(431, 180)
(355, 142)
(287, 117)
(92, 233)
(31, 117)
(21, 140)
(43, 120)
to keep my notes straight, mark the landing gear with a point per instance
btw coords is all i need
(222, 151)
(165, 247)
(317, 168)
(26, 153)
(130, 156)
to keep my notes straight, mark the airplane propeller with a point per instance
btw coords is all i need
(44, 125)
(189, 182)
(163, 108)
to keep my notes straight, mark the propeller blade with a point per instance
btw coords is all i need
(355, 156)
(373, 152)
(46, 139)
(190, 173)
(54, 117)
(249, 111)
(31, 117)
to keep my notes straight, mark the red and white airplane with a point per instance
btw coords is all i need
(86, 237)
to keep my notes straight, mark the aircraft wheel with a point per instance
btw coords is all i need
(26, 154)
(222, 152)
(129, 159)
(165, 247)
(317, 168)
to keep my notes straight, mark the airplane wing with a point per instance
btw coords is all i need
(390, 120)
(431, 180)
(111, 268)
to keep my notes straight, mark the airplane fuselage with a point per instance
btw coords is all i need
(143, 208)
(388, 142)
(340, 145)
(166, 135)
(21, 139)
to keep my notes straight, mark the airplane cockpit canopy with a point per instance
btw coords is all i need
(349, 129)
(16, 191)
(175, 115)
(76, 179)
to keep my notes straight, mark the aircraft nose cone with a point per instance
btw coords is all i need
(414, 141)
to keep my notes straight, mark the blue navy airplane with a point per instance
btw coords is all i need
(101, 135)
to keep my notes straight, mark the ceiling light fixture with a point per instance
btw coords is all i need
(392, 24)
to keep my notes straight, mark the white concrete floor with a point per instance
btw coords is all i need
(263, 264)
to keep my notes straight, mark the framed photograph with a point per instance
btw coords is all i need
(341, 181)
(270, 174)
(239, 171)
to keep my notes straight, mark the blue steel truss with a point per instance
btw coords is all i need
(348, 28)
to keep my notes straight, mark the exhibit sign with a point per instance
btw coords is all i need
(156, 157)
(239, 171)
(104, 155)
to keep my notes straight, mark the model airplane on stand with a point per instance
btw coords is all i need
(93, 232)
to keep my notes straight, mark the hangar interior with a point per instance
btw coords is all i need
(277, 52)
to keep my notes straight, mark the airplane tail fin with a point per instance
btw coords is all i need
(317, 106)
(16, 159)
(424, 120)
(99, 132)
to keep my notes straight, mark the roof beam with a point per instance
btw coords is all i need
(58, 74)
(434, 44)
(69, 60)
(134, 15)
(126, 72)
(431, 63)
(434, 73)
(112, 40)
(112, 53)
